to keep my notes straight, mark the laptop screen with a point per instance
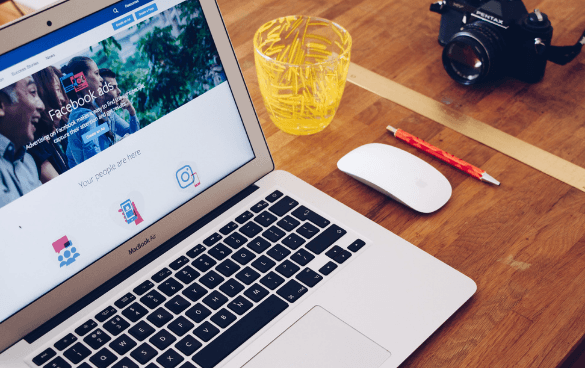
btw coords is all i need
(106, 126)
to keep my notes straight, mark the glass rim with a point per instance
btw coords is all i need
(340, 56)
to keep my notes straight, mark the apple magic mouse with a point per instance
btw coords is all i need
(398, 174)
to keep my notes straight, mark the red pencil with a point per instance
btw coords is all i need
(476, 172)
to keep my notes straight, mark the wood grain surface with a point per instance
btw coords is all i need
(522, 242)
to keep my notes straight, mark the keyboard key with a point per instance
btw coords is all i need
(84, 365)
(179, 262)
(274, 196)
(161, 275)
(283, 206)
(162, 339)
(211, 279)
(334, 251)
(125, 363)
(292, 291)
(204, 263)
(215, 300)
(288, 223)
(273, 234)
(180, 326)
(256, 293)
(293, 241)
(212, 239)
(223, 318)
(259, 244)
(343, 256)
(141, 330)
(236, 240)
(196, 251)
(187, 275)
(170, 286)
(103, 358)
(278, 252)
(263, 264)
(125, 300)
(259, 206)
(307, 230)
(65, 342)
(287, 268)
(271, 280)
(356, 245)
(194, 292)
(44, 357)
(206, 331)
(170, 359)
(220, 251)
(116, 325)
(309, 277)
(159, 317)
(240, 332)
(105, 314)
(77, 353)
(152, 300)
(227, 268)
(198, 313)
(143, 353)
(324, 240)
(244, 217)
(97, 339)
(228, 228)
(85, 328)
(240, 305)
(265, 219)
(251, 229)
(231, 288)
(328, 268)
(188, 345)
(177, 304)
(302, 257)
(123, 344)
(303, 214)
(247, 275)
(243, 256)
(135, 311)
(143, 288)
(58, 362)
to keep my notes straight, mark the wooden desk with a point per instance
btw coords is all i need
(523, 242)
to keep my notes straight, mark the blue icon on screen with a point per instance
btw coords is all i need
(68, 256)
(128, 211)
(185, 176)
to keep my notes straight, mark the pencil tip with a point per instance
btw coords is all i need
(486, 177)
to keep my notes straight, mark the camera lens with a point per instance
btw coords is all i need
(474, 54)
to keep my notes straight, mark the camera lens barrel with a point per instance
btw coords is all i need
(474, 54)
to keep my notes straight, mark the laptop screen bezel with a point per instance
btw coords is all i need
(53, 302)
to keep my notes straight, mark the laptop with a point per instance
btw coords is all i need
(143, 224)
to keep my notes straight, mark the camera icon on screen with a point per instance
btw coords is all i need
(186, 177)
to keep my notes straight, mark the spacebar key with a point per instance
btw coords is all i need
(240, 332)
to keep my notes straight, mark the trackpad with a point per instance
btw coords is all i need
(320, 340)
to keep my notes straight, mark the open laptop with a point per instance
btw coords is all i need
(145, 226)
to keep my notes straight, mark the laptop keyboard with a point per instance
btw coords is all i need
(208, 302)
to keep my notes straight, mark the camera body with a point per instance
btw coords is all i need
(485, 39)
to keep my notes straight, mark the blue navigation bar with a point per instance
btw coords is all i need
(123, 22)
(95, 132)
(146, 11)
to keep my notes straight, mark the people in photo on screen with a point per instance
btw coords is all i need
(49, 154)
(20, 111)
(88, 80)
(112, 100)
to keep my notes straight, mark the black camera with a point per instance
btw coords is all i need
(485, 39)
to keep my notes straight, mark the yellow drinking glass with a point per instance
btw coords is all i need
(302, 65)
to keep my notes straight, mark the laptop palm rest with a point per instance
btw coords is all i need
(320, 340)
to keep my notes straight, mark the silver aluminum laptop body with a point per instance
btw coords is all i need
(373, 310)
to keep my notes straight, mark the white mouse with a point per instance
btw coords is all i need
(398, 174)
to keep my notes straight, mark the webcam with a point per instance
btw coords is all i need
(49, 23)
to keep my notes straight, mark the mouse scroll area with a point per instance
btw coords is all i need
(320, 340)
